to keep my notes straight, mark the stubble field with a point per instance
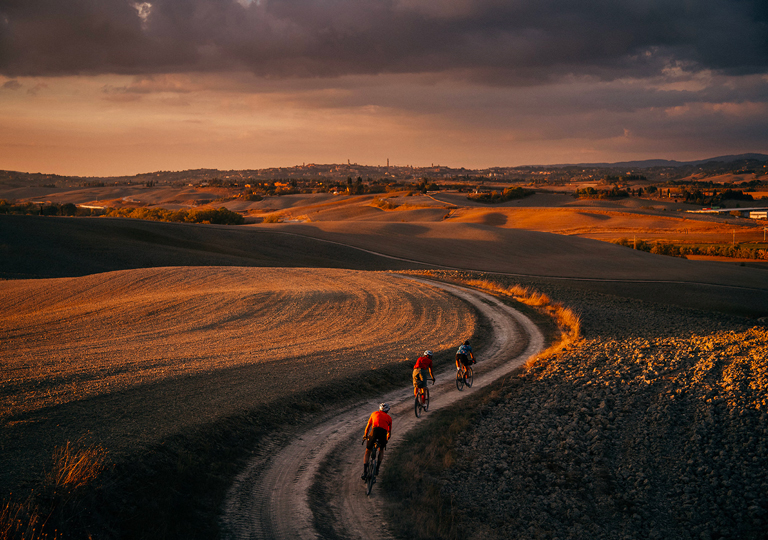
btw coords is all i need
(127, 358)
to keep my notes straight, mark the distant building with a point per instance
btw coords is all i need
(754, 213)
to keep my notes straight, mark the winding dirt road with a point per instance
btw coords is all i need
(271, 498)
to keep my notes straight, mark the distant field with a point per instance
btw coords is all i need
(555, 212)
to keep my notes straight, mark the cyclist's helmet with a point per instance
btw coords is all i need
(384, 407)
(428, 353)
(466, 342)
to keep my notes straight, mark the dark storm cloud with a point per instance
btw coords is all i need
(502, 41)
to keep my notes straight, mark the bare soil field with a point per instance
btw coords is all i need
(653, 426)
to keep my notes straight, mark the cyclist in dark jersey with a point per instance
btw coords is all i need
(380, 427)
(464, 356)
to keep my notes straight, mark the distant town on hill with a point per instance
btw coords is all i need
(653, 170)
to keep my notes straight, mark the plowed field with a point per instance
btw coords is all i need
(129, 357)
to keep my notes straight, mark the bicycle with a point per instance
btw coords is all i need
(373, 468)
(421, 402)
(464, 377)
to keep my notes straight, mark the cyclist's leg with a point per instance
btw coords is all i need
(418, 381)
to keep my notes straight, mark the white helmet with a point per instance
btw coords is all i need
(427, 353)
(384, 407)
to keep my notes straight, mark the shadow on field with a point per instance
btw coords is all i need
(50, 247)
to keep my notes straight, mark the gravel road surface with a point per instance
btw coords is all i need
(271, 499)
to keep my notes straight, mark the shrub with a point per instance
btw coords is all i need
(74, 467)
(384, 204)
(273, 218)
(39, 516)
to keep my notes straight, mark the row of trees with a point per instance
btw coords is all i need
(510, 193)
(592, 193)
(220, 216)
(716, 198)
(675, 250)
(48, 209)
(622, 178)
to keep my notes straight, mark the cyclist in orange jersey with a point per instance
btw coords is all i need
(423, 363)
(380, 427)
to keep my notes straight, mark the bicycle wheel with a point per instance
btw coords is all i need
(426, 399)
(371, 472)
(459, 381)
(417, 406)
(470, 377)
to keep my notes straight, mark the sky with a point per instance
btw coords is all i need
(121, 87)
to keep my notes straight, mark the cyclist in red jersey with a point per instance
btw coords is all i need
(380, 426)
(422, 363)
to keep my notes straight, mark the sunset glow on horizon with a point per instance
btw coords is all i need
(118, 87)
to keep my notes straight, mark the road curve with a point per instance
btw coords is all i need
(270, 499)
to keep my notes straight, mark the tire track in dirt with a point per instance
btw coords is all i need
(270, 499)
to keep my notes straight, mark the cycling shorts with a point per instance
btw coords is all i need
(464, 359)
(419, 380)
(378, 435)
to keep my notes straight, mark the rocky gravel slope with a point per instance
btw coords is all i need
(653, 426)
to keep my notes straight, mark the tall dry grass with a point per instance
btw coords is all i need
(75, 466)
(34, 518)
(17, 522)
(567, 320)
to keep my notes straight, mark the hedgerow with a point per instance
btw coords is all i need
(219, 216)
(675, 250)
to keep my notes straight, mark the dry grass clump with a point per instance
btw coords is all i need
(22, 521)
(273, 218)
(74, 466)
